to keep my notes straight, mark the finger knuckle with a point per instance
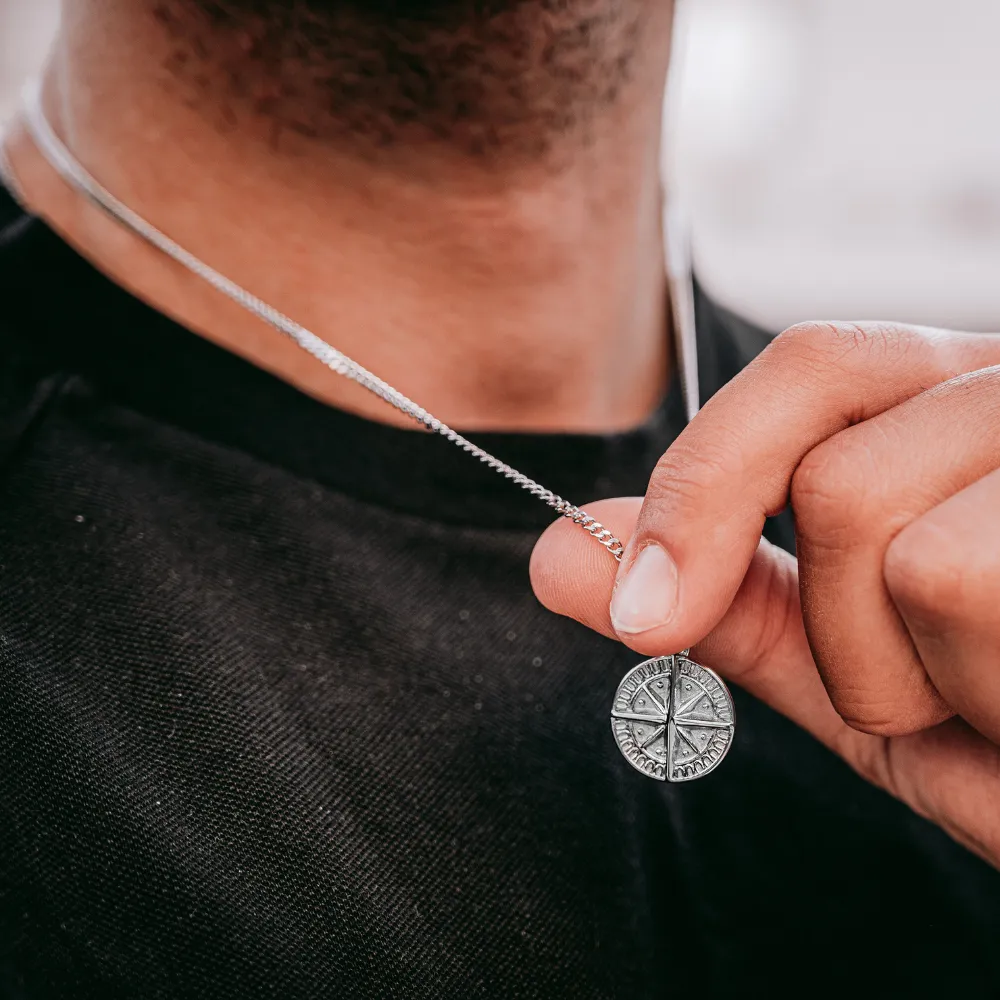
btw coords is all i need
(833, 351)
(686, 474)
(835, 490)
(832, 341)
(935, 576)
(976, 390)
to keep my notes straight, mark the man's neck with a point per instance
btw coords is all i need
(527, 300)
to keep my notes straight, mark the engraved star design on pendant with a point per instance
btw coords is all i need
(673, 718)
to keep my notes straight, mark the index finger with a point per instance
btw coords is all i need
(732, 467)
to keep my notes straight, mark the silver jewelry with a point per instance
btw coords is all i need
(673, 718)
(654, 755)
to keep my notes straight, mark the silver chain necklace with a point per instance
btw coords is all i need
(672, 718)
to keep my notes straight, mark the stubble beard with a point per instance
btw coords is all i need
(497, 80)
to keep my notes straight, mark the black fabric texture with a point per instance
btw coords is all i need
(280, 716)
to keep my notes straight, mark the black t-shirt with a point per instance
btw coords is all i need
(280, 716)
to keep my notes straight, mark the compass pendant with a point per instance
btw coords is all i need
(673, 718)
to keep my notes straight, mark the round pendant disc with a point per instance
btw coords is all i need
(673, 718)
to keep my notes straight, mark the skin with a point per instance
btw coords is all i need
(502, 292)
(518, 284)
(496, 84)
(882, 640)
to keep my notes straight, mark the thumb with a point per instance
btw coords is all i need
(735, 463)
(760, 643)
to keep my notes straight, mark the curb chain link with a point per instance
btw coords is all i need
(77, 176)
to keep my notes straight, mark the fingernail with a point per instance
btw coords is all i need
(646, 598)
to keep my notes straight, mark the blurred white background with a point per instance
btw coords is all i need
(839, 158)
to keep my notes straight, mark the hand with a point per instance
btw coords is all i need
(883, 640)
